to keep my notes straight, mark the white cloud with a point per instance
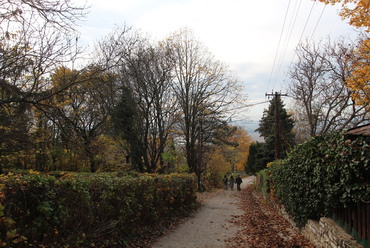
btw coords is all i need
(243, 34)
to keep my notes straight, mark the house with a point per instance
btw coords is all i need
(363, 130)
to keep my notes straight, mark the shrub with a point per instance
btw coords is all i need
(324, 173)
(265, 181)
(75, 209)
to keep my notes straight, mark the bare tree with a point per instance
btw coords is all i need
(17, 15)
(301, 128)
(204, 89)
(37, 37)
(319, 86)
(147, 75)
(80, 101)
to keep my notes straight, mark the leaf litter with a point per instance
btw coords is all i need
(262, 226)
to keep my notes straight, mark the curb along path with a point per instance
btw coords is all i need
(211, 226)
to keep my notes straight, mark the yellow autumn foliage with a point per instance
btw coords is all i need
(357, 11)
(216, 168)
(358, 14)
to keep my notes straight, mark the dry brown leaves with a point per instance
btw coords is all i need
(262, 225)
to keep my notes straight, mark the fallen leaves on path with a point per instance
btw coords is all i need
(262, 225)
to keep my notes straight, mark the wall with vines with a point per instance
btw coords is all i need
(327, 172)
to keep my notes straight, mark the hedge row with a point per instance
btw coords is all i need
(327, 172)
(77, 210)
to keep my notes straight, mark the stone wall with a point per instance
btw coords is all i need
(324, 233)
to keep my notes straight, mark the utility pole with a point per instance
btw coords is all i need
(277, 120)
(200, 144)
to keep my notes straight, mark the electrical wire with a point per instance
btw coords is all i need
(291, 28)
(246, 106)
(300, 38)
(277, 50)
(278, 61)
(322, 12)
(308, 18)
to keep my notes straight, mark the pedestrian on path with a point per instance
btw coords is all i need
(231, 183)
(225, 182)
(238, 181)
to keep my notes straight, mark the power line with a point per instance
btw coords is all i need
(254, 104)
(277, 50)
(291, 27)
(247, 106)
(322, 12)
(304, 29)
(308, 18)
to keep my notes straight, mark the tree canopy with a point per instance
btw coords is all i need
(318, 84)
(159, 104)
(358, 13)
(204, 88)
(276, 127)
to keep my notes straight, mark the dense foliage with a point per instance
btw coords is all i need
(357, 13)
(324, 173)
(256, 158)
(276, 128)
(61, 210)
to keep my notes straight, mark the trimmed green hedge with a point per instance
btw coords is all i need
(324, 173)
(79, 209)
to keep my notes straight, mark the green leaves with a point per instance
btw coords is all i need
(321, 174)
(85, 207)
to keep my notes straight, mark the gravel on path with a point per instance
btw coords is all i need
(211, 226)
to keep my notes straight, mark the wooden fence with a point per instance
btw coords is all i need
(356, 221)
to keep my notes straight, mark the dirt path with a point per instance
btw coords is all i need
(211, 226)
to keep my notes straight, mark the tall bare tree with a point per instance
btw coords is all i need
(147, 75)
(21, 15)
(318, 84)
(204, 89)
(36, 37)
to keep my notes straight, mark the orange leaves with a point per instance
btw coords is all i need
(263, 226)
(359, 80)
(358, 13)
(244, 140)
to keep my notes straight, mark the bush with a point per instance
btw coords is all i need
(77, 209)
(214, 172)
(324, 173)
(265, 181)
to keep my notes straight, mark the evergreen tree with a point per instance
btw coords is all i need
(256, 158)
(282, 124)
(127, 121)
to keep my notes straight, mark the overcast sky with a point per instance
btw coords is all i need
(255, 38)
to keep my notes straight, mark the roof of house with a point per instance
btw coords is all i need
(363, 130)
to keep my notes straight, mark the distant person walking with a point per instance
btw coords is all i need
(238, 181)
(225, 182)
(231, 183)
